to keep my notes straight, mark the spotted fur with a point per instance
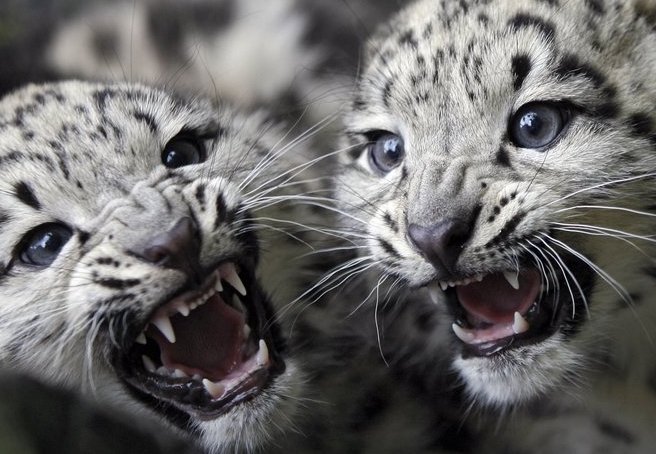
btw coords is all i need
(447, 79)
(87, 158)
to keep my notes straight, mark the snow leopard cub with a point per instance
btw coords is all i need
(502, 166)
(144, 256)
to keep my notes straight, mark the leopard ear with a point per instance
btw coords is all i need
(647, 10)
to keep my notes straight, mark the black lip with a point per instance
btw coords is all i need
(178, 399)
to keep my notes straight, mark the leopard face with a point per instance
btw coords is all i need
(500, 164)
(137, 265)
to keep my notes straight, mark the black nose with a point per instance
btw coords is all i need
(441, 243)
(178, 248)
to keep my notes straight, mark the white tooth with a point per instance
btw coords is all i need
(262, 357)
(434, 292)
(148, 363)
(513, 279)
(463, 335)
(230, 275)
(520, 325)
(218, 286)
(193, 306)
(163, 371)
(163, 323)
(444, 285)
(183, 309)
(479, 278)
(141, 339)
(179, 374)
(246, 331)
(215, 389)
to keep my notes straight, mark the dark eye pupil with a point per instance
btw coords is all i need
(386, 152)
(44, 244)
(181, 152)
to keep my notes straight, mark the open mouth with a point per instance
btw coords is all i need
(205, 350)
(502, 310)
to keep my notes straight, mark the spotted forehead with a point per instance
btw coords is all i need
(81, 142)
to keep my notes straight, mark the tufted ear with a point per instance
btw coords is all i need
(647, 10)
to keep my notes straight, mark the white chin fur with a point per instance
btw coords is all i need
(252, 424)
(519, 375)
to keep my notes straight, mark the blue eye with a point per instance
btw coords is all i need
(42, 245)
(386, 151)
(537, 124)
(182, 151)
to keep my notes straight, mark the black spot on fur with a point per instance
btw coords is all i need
(615, 431)
(408, 39)
(642, 125)
(146, 118)
(571, 66)
(200, 196)
(605, 110)
(224, 214)
(103, 96)
(521, 66)
(83, 236)
(391, 223)
(596, 6)
(387, 89)
(502, 157)
(523, 20)
(25, 194)
(118, 284)
(507, 229)
(388, 248)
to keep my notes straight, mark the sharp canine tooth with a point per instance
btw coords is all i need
(148, 363)
(163, 323)
(434, 292)
(513, 279)
(444, 285)
(215, 389)
(463, 335)
(520, 325)
(218, 286)
(262, 357)
(141, 339)
(230, 275)
(246, 331)
(183, 309)
(179, 374)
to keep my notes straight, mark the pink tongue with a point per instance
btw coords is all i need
(208, 341)
(493, 300)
